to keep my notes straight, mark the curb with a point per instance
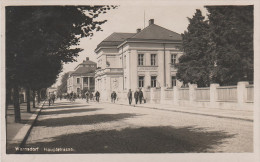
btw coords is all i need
(30, 129)
(194, 113)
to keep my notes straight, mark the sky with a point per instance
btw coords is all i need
(127, 18)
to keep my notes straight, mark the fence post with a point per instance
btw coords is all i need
(152, 91)
(162, 99)
(213, 94)
(176, 95)
(192, 93)
(241, 93)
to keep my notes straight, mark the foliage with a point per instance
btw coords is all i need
(194, 66)
(63, 87)
(219, 49)
(231, 30)
(39, 39)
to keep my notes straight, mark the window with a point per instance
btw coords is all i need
(153, 81)
(141, 81)
(78, 80)
(173, 59)
(85, 80)
(140, 59)
(78, 90)
(173, 81)
(153, 59)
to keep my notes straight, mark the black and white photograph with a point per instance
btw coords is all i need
(136, 81)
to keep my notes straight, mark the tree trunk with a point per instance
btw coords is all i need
(39, 96)
(33, 96)
(28, 99)
(8, 97)
(16, 104)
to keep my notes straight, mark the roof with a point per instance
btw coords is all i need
(157, 32)
(88, 62)
(115, 39)
(151, 32)
(84, 70)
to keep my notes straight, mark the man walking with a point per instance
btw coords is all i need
(87, 96)
(140, 95)
(49, 98)
(114, 96)
(97, 96)
(129, 96)
(136, 96)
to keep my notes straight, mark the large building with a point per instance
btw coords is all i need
(144, 59)
(82, 77)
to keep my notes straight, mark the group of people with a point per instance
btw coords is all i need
(138, 95)
(89, 96)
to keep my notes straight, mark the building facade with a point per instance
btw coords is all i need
(144, 59)
(82, 77)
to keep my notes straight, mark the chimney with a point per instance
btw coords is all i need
(151, 21)
(138, 30)
(87, 58)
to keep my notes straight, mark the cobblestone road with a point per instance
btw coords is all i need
(109, 128)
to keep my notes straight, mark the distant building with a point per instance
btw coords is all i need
(51, 90)
(143, 59)
(82, 77)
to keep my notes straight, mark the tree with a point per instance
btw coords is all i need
(63, 87)
(40, 38)
(231, 31)
(194, 66)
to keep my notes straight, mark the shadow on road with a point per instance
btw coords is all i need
(63, 107)
(164, 139)
(69, 111)
(83, 120)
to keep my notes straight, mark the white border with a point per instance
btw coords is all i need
(208, 157)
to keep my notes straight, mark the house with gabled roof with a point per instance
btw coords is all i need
(144, 59)
(82, 77)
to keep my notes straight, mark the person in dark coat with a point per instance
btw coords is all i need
(129, 96)
(114, 96)
(140, 96)
(97, 96)
(136, 96)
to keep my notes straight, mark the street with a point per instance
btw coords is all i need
(81, 127)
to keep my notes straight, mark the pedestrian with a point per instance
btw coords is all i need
(129, 96)
(49, 98)
(97, 96)
(53, 98)
(91, 96)
(114, 96)
(140, 95)
(136, 96)
(87, 96)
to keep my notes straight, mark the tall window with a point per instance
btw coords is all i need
(78, 80)
(140, 59)
(173, 81)
(173, 59)
(85, 80)
(141, 81)
(153, 81)
(153, 59)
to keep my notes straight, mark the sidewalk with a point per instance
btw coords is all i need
(16, 132)
(240, 114)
